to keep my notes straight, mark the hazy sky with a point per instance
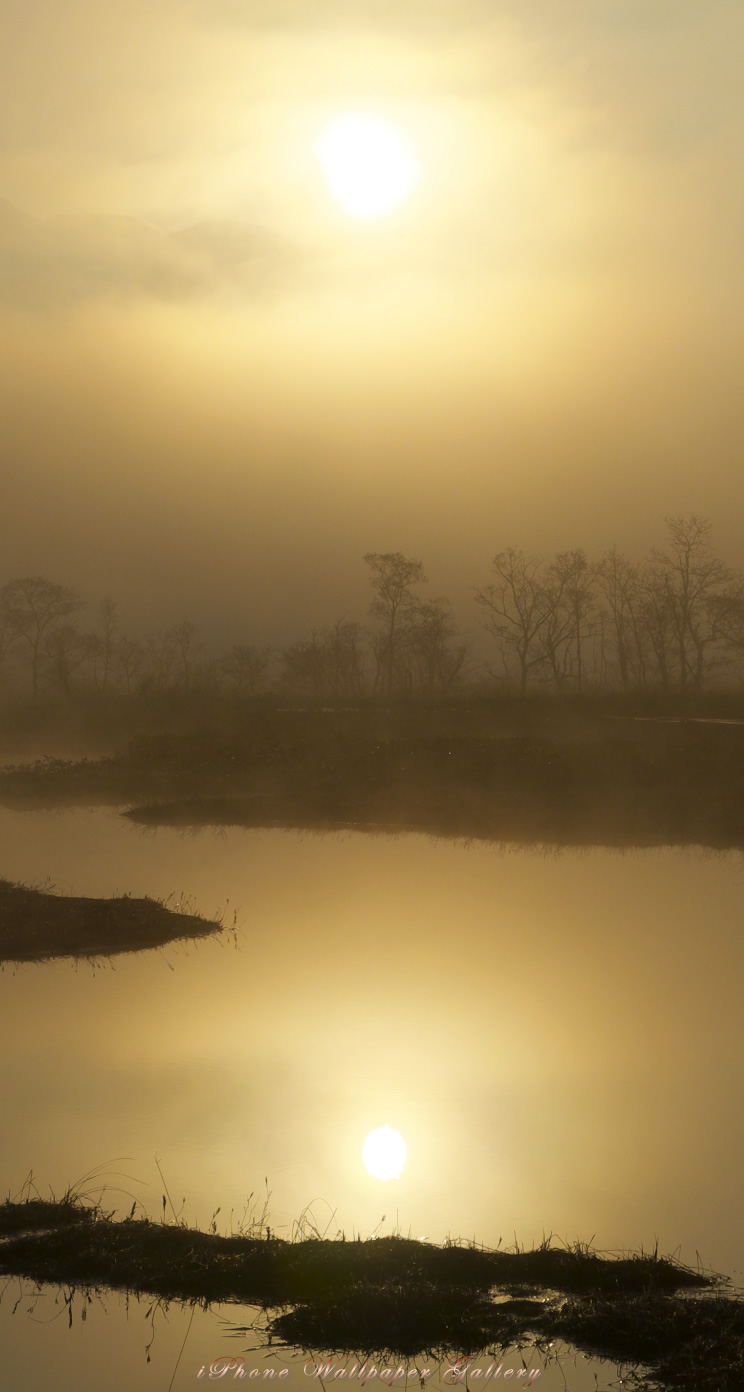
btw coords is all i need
(218, 390)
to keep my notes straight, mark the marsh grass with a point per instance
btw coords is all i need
(393, 1294)
(686, 1343)
(33, 1214)
(36, 924)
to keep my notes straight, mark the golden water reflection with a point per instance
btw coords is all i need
(558, 1038)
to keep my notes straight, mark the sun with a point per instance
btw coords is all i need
(384, 1153)
(369, 164)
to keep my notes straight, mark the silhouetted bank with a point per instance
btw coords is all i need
(401, 1296)
(36, 925)
(641, 784)
(95, 725)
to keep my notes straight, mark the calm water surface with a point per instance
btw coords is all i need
(557, 1037)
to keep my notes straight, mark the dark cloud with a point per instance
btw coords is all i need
(61, 261)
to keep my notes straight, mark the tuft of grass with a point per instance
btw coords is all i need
(34, 1214)
(27, 1211)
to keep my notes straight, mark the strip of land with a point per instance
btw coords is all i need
(36, 925)
(402, 1297)
(633, 783)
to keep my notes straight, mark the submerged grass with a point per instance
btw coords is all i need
(398, 1295)
(36, 925)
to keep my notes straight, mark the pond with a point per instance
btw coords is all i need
(557, 1037)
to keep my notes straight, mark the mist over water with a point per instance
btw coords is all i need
(380, 517)
(551, 1034)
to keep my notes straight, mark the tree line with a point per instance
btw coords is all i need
(674, 623)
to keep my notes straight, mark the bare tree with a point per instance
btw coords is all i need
(186, 647)
(571, 587)
(66, 650)
(32, 608)
(691, 578)
(246, 666)
(394, 605)
(726, 615)
(437, 660)
(330, 663)
(619, 583)
(556, 634)
(8, 636)
(517, 610)
(306, 665)
(107, 638)
(160, 663)
(347, 661)
(130, 660)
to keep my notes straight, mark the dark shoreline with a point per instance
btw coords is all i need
(397, 1295)
(632, 783)
(37, 925)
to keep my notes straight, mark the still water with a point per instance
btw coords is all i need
(558, 1038)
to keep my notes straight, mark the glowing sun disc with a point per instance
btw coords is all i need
(369, 164)
(384, 1153)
